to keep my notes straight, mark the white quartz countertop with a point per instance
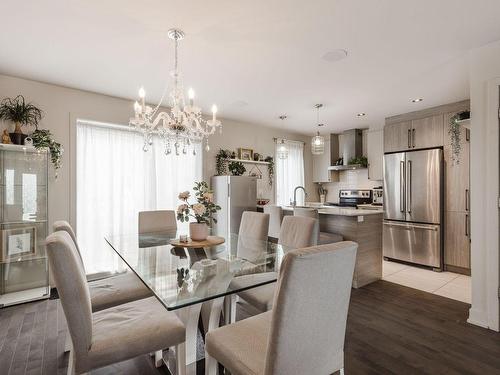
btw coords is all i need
(341, 211)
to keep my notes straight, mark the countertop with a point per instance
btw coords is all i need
(341, 211)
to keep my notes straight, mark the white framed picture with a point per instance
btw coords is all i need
(18, 242)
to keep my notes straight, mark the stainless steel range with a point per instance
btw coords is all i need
(352, 198)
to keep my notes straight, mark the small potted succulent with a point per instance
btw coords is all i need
(202, 210)
(21, 114)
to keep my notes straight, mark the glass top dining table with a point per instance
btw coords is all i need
(181, 277)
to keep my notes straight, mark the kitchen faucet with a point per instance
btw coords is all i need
(294, 204)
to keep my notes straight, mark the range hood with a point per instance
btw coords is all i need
(352, 147)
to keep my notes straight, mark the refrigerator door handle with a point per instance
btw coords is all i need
(408, 186)
(402, 197)
(409, 226)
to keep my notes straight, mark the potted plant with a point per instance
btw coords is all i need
(202, 210)
(236, 168)
(454, 131)
(21, 114)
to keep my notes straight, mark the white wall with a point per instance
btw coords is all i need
(484, 82)
(62, 106)
(260, 139)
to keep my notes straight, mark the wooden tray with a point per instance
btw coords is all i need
(210, 241)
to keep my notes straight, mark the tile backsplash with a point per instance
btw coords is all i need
(357, 179)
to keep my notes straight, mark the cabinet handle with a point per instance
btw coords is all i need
(466, 199)
(467, 225)
(409, 138)
(467, 135)
(413, 137)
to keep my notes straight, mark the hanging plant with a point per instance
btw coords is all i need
(454, 131)
(270, 169)
(236, 168)
(43, 139)
(221, 162)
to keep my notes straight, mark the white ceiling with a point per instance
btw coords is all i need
(257, 59)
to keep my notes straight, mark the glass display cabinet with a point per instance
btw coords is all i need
(24, 271)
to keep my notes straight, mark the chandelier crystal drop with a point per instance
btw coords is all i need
(318, 141)
(182, 127)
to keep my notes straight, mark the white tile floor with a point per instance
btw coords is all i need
(446, 284)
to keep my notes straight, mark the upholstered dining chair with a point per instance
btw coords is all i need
(252, 244)
(305, 331)
(157, 221)
(275, 218)
(252, 235)
(296, 232)
(112, 335)
(111, 291)
(323, 237)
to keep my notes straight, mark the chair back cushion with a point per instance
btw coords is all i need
(252, 235)
(310, 310)
(275, 218)
(309, 212)
(72, 288)
(157, 221)
(65, 226)
(298, 232)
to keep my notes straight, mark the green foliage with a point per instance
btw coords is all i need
(221, 162)
(43, 138)
(204, 207)
(362, 160)
(270, 169)
(18, 111)
(236, 168)
(454, 131)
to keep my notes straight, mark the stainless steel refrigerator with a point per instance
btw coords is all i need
(235, 194)
(413, 207)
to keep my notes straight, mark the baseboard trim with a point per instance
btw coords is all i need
(478, 318)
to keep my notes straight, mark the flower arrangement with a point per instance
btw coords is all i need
(204, 208)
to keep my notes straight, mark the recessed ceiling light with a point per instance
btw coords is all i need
(283, 117)
(362, 114)
(416, 100)
(335, 55)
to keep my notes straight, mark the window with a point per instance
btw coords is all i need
(116, 179)
(290, 174)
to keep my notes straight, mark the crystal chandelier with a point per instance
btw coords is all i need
(318, 141)
(282, 149)
(182, 126)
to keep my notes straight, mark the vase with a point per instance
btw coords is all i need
(198, 231)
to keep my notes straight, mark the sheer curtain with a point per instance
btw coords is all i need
(116, 179)
(290, 173)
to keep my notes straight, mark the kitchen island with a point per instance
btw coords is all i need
(359, 225)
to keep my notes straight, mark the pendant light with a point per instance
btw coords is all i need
(318, 141)
(282, 149)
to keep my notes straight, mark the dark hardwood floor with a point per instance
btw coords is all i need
(391, 330)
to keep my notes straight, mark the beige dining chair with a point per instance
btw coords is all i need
(275, 218)
(252, 235)
(323, 237)
(296, 232)
(111, 291)
(157, 221)
(305, 331)
(112, 335)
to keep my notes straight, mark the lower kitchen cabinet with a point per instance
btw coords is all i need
(457, 242)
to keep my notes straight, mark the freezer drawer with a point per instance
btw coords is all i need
(415, 243)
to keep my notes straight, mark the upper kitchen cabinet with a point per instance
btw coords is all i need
(427, 132)
(375, 154)
(397, 136)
